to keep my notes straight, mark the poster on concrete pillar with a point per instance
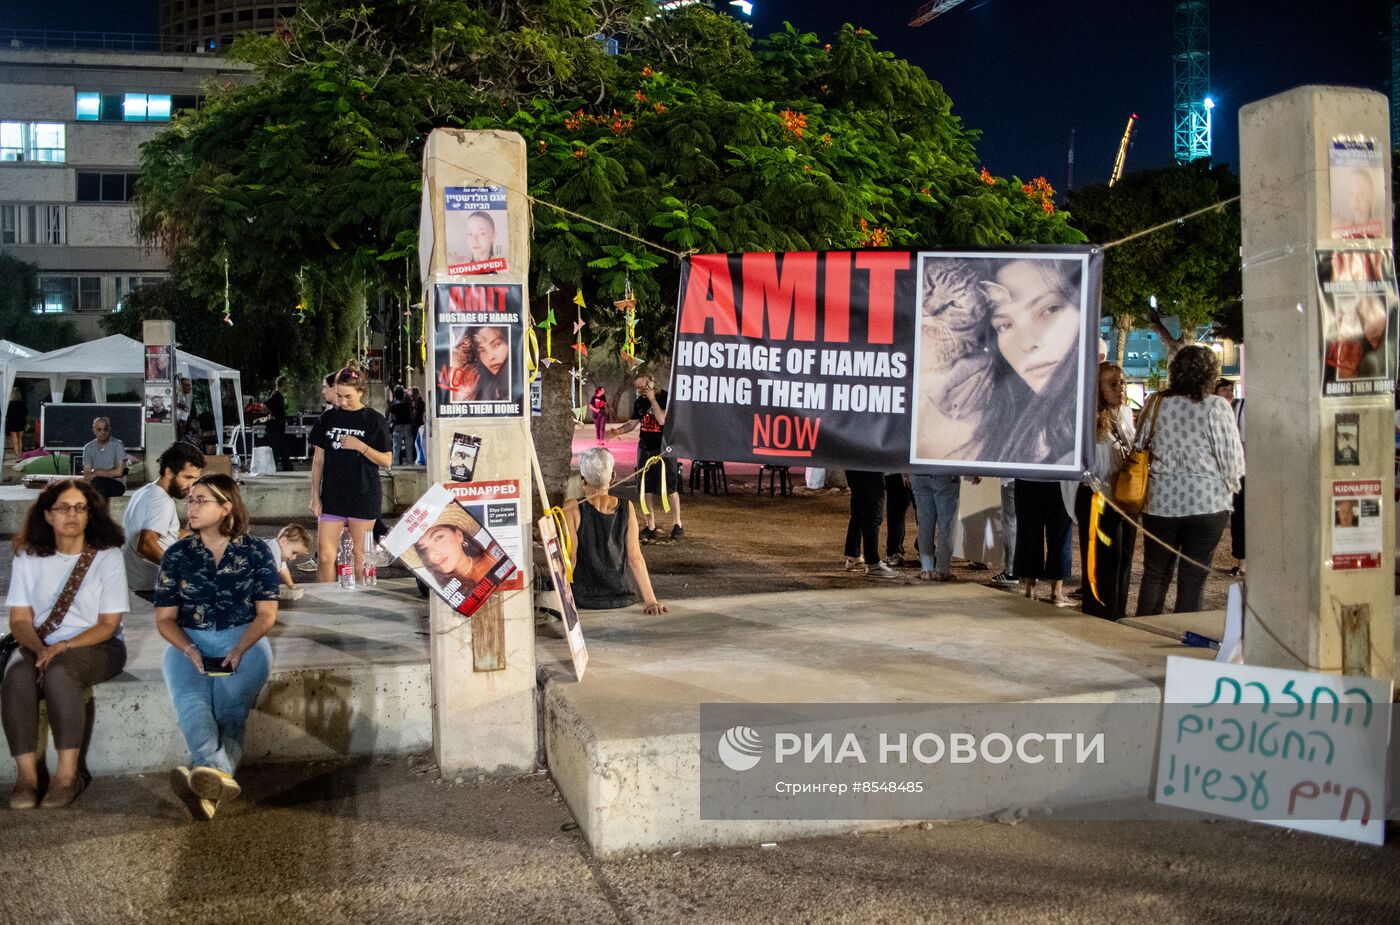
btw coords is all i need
(478, 232)
(1357, 531)
(969, 362)
(1357, 182)
(1356, 295)
(496, 505)
(478, 351)
(451, 551)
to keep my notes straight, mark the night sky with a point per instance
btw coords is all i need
(1025, 72)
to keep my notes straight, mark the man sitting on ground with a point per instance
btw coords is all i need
(151, 521)
(104, 460)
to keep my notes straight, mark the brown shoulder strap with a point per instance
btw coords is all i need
(69, 592)
(1150, 427)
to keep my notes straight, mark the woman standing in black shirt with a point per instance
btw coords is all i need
(351, 442)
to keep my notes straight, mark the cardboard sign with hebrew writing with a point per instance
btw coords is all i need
(1297, 749)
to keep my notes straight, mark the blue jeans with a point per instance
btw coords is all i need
(1008, 526)
(936, 504)
(212, 712)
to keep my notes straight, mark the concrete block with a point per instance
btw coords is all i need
(623, 746)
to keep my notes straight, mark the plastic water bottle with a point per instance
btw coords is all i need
(345, 563)
(371, 569)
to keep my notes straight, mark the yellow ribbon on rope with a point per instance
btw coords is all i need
(566, 550)
(1096, 506)
(532, 354)
(641, 486)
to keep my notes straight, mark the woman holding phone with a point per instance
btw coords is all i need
(216, 598)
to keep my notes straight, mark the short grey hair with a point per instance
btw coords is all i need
(595, 466)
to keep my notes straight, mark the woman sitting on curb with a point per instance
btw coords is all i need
(609, 571)
(67, 596)
(216, 598)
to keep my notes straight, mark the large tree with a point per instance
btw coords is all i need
(19, 293)
(1190, 271)
(695, 136)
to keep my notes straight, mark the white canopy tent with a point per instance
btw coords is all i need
(117, 357)
(9, 350)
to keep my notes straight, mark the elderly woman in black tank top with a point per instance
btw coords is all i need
(609, 571)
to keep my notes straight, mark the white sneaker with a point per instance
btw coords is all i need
(853, 564)
(880, 570)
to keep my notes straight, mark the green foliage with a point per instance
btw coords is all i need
(1193, 270)
(19, 293)
(696, 136)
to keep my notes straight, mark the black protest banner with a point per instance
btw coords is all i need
(976, 362)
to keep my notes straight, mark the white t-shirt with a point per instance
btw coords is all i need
(35, 581)
(150, 507)
(276, 552)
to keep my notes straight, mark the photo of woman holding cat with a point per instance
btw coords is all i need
(1000, 355)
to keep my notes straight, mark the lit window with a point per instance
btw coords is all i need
(146, 107)
(11, 141)
(32, 141)
(46, 142)
(134, 107)
(57, 295)
(89, 107)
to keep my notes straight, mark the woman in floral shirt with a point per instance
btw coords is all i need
(216, 598)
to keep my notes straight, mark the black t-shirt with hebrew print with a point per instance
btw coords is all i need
(348, 476)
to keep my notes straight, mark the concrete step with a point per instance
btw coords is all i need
(349, 679)
(624, 745)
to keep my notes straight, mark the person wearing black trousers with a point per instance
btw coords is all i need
(1113, 560)
(863, 530)
(276, 428)
(897, 498)
(1042, 539)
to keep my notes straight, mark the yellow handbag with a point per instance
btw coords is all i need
(1129, 488)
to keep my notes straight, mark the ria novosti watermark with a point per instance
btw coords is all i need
(928, 761)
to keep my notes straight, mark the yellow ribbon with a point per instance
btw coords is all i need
(1096, 506)
(532, 354)
(641, 486)
(566, 550)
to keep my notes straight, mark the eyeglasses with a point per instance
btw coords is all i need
(196, 502)
(63, 509)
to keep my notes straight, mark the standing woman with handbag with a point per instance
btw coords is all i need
(66, 600)
(1113, 560)
(216, 598)
(1197, 462)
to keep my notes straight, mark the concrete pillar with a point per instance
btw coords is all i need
(483, 712)
(1302, 612)
(160, 436)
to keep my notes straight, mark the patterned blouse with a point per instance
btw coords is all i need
(1197, 457)
(214, 597)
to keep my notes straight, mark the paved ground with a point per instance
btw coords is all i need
(389, 842)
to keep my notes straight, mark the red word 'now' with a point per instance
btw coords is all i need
(784, 435)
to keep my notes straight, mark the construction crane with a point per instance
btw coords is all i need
(931, 10)
(1123, 151)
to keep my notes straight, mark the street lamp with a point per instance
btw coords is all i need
(744, 6)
